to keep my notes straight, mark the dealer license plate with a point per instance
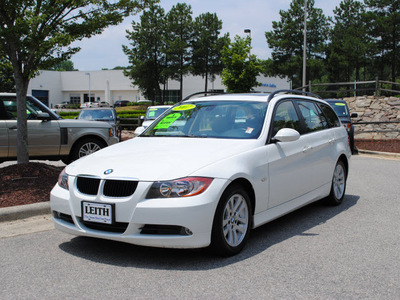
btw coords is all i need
(97, 212)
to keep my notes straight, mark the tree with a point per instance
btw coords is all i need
(286, 41)
(207, 46)
(66, 65)
(240, 67)
(146, 55)
(36, 34)
(383, 18)
(7, 83)
(349, 43)
(177, 41)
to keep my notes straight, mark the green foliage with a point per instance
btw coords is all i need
(348, 48)
(7, 83)
(67, 65)
(383, 19)
(36, 34)
(145, 55)
(178, 33)
(240, 68)
(207, 46)
(286, 42)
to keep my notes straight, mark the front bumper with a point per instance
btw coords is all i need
(173, 223)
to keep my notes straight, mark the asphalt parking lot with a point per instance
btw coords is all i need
(318, 252)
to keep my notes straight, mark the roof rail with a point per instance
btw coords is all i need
(272, 95)
(202, 93)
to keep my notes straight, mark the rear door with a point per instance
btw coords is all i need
(319, 144)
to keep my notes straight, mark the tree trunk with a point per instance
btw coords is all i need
(22, 124)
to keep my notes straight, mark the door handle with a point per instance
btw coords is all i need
(306, 149)
(13, 128)
(331, 141)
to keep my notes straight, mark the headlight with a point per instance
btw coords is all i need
(184, 187)
(63, 180)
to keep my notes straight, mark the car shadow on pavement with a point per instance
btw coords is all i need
(297, 223)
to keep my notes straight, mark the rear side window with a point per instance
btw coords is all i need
(313, 117)
(331, 115)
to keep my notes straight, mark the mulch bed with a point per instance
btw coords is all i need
(392, 146)
(27, 183)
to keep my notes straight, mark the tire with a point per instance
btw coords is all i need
(338, 187)
(232, 222)
(85, 147)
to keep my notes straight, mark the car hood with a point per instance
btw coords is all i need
(68, 123)
(153, 159)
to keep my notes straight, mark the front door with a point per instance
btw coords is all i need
(43, 136)
(289, 169)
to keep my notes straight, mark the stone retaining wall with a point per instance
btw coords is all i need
(376, 109)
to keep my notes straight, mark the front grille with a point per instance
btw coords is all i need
(117, 227)
(87, 185)
(119, 188)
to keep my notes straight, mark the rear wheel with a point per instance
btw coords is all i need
(338, 187)
(232, 222)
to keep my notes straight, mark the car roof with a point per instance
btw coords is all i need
(98, 108)
(159, 106)
(259, 97)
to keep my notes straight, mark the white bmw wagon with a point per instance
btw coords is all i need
(207, 171)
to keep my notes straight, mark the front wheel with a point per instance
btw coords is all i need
(232, 222)
(338, 186)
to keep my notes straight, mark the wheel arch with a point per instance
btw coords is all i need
(248, 188)
(344, 159)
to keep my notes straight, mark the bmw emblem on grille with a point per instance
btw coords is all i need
(109, 171)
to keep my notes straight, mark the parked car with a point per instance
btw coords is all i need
(152, 113)
(342, 110)
(50, 137)
(103, 114)
(104, 104)
(208, 171)
(120, 103)
(61, 105)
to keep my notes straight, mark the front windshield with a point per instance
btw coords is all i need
(154, 112)
(213, 119)
(340, 109)
(97, 115)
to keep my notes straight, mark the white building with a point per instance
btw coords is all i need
(53, 87)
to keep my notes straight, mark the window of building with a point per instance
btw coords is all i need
(74, 98)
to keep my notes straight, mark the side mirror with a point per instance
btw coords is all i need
(286, 135)
(354, 115)
(139, 130)
(142, 118)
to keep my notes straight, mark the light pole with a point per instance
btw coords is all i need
(248, 31)
(305, 45)
(89, 86)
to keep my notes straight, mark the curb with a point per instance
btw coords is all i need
(384, 154)
(13, 213)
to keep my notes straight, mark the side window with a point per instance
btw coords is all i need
(10, 107)
(285, 117)
(331, 115)
(313, 117)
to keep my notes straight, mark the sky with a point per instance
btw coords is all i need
(105, 50)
